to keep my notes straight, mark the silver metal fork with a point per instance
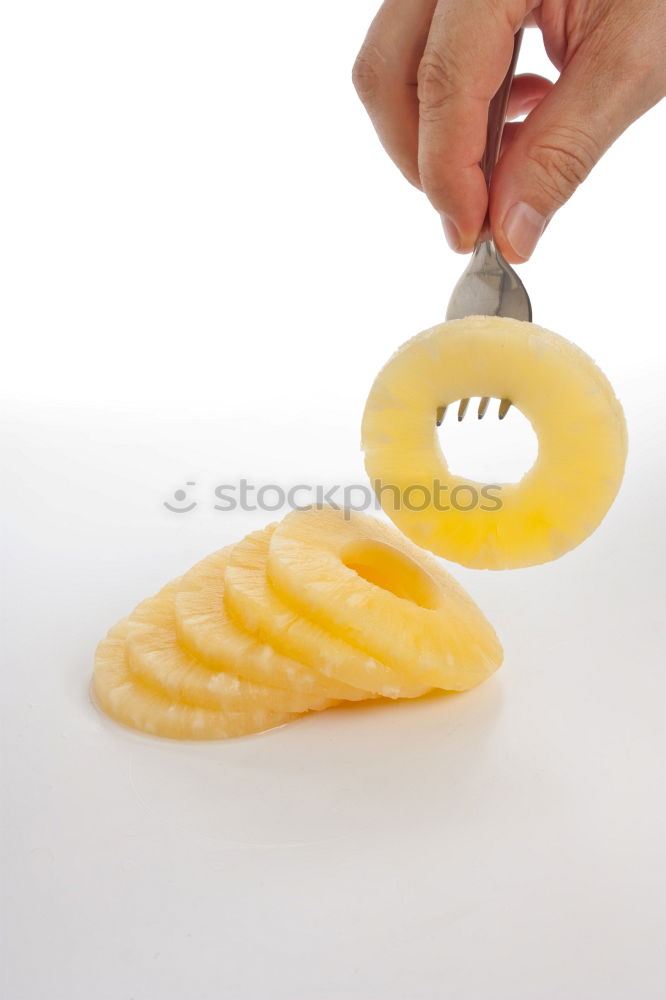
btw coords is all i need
(489, 286)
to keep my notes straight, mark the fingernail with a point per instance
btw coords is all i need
(451, 232)
(523, 227)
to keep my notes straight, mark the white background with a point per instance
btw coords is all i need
(206, 257)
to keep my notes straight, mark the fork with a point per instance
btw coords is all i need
(489, 286)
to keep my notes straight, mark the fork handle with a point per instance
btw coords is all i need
(496, 120)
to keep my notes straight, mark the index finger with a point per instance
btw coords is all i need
(466, 57)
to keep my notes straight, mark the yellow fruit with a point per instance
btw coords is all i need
(137, 705)
(573, 410)
(253, 603)
(158, 687)
(204, 628)
(376, 590)
(155, 610)
(156, 657)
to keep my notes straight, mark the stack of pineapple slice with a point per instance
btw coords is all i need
(326, 607)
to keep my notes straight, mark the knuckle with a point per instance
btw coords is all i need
(367, 75)
(434, 81)
(562, 160)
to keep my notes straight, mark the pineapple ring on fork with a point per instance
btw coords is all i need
(362, 581)
(571, 405)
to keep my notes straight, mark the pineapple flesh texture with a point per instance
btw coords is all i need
(156, 658)
(363, 581)
(571, 405)
(253, 603)
(208, 632)
(142, 707)
(145, 679)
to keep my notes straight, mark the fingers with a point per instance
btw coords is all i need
(384, 75)
(429, 68)
(413, 51)
(527, 91)
(553, 151)
(467, 54)
(426, 73)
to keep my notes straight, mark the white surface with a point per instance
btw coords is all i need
(504, 843)
(204, 266)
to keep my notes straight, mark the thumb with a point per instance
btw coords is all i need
(555, 148)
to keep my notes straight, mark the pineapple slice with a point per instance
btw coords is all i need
(206, 630)
(571, 405)
(364, 581)
(155, 610)
(156, 658)
(135, 704)
(253, 603)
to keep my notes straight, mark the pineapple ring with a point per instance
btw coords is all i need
(253, 603)
(573, 410)
(151, 611)
(367, 583)
(134, 704)
(205, 629)
(156, 658)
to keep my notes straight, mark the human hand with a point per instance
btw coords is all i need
(429, 68)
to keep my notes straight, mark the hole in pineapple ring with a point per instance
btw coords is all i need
(488, 450)
(386, 567)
